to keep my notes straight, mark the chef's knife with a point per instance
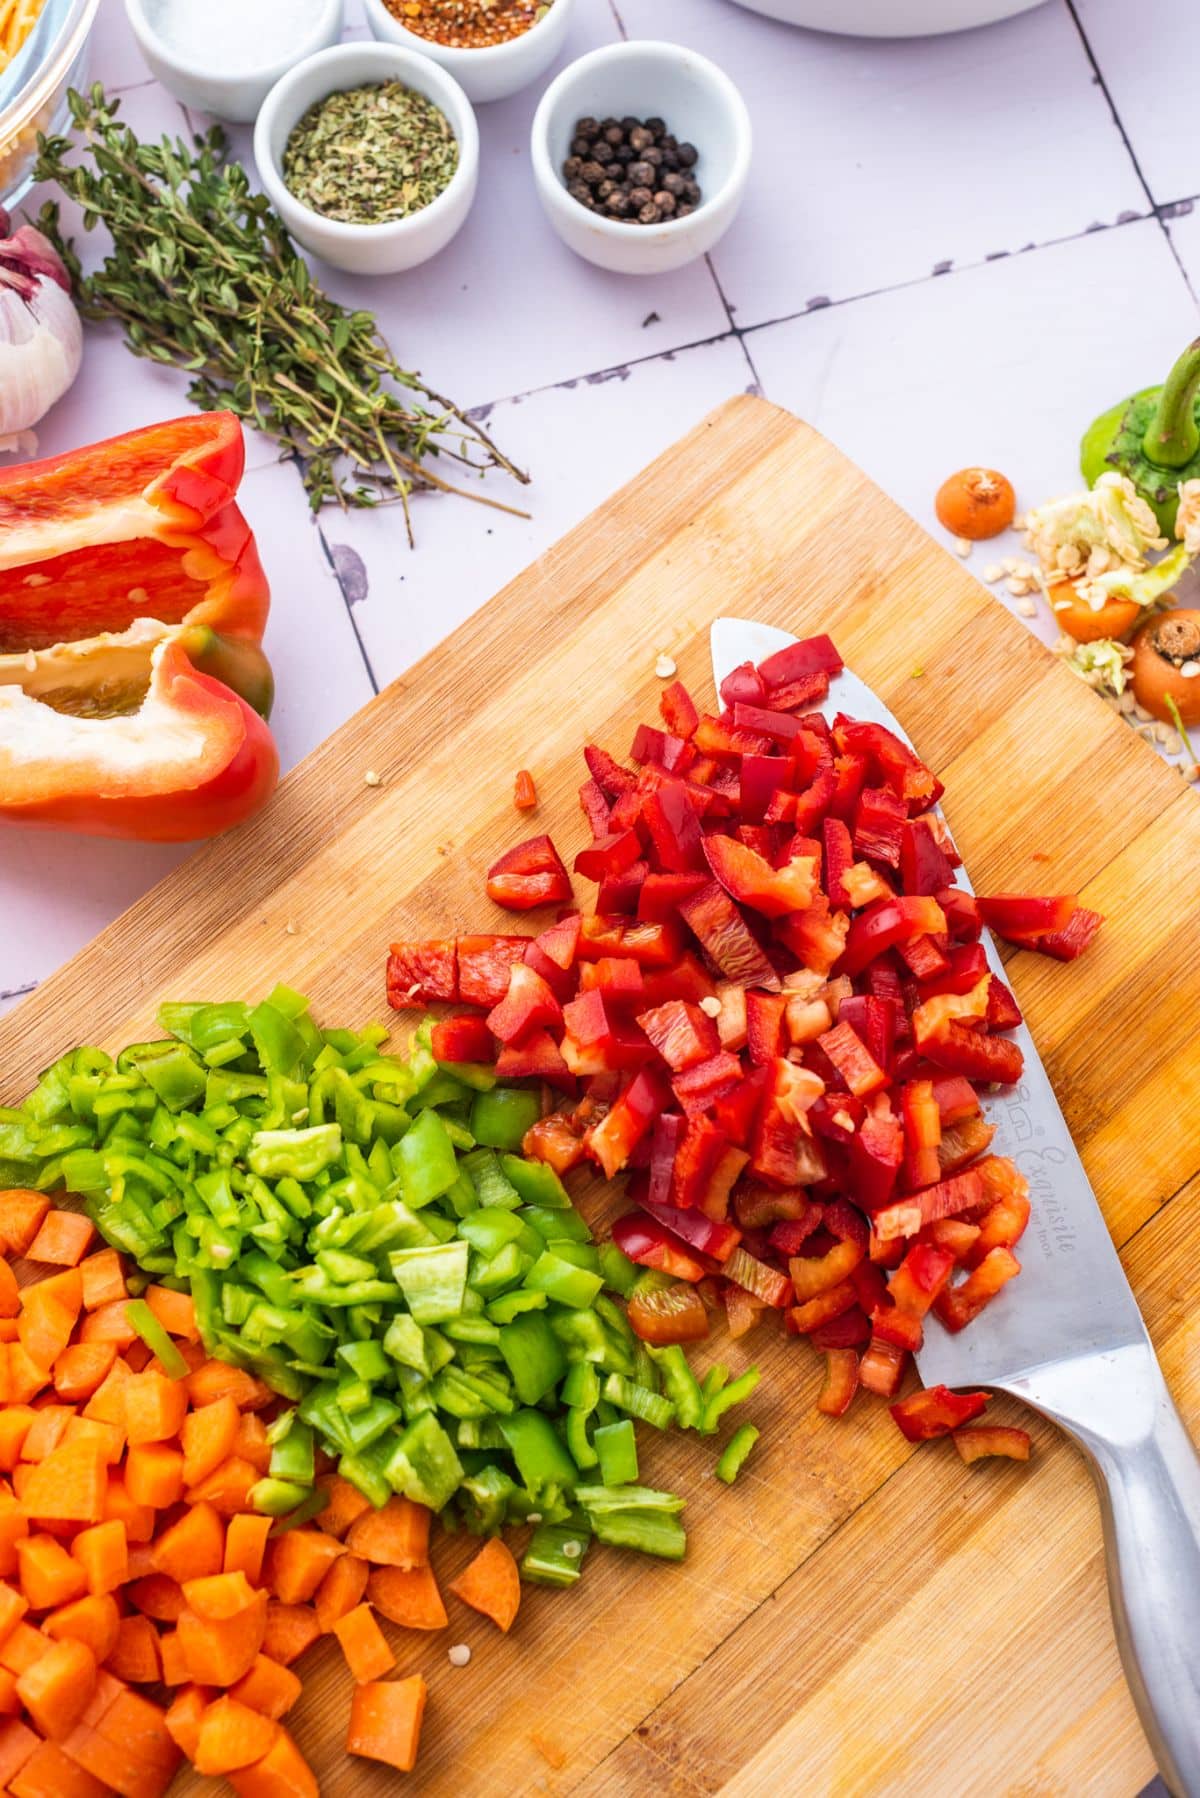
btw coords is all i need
(1068, 1339)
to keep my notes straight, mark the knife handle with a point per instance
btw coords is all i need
(1118, 1409)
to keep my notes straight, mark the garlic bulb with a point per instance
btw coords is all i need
(41, 340)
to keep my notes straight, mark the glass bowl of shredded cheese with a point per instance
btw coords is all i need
(43, 53)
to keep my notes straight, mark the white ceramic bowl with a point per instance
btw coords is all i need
(890, 18)
(645, 79)
(367, 249)
(496, 70)
(34, 88)
(222, 88)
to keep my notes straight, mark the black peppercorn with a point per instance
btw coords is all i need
(648, 214)
(571, 167)
(580, 145)
(668, 141)
(665, 203)
(674, 185)
(605, 188)
(631, 169)
(657, 126)
(578, 190)
(586, 128)
(607, 124)
(653, 157)
(641, 139)
(618, 203)
(640, 196)
(602, 152)
(670, 159)
(640, 173)
(688, 155)
(592, 173)
(614, 136)
(624, 155)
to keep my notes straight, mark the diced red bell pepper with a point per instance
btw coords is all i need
(682, 1033)
(484, 965)
(528, 1004)
(678, 710)
(1003, 1012)
(765, 1034)
(737, 1112)
(613, 1139)
(697, 1155)
(960, 1050)
(595, 808)
(882, 1367)
(650, 745)
(535, 1057)
(968, 965)
(666, 1137)
(836, 1116)
(851, 1330)
(839, 857)
(962, 1142)
(766, 1283)
(463, 1039)
(957, 1306)
(1071, 941)
(949, 1198)
(727, 1171)
(936, 1411)
(812, 655)
(841, 1374)
(653, 945)
(905, 774)
(609, 854)
(981, 1439)
(852, 1059)
(726, 938)
(869, 1283)
(922, 1134)
(560, 941)
(745, 686)
(878, 825)
(876, 1020)
(1020, 916)
(849, 778)
(607, 772)
(954, 1235)
(924, 865)
(742, 1309)
(887, 922)
(597, 1042)
(529, 874)
(813, 803)
(660, 895)
(756, 1207)
(923, 957)
(814, 1274)
(816, 937)
(675, 1314)
(674, 828)
(422, 973)
(648, 1243)
(796, 695)
(687, 979)
(822, 1309)
(782, 1151)
(716, 737)
(618, 977)
(699, 1087)
(788, 1236)
(706, 1235)
(932, 1017)
(553, 1141)
(781, 727)
(963, 919)
(1004, 1222)
(874, 1163)
(749, 878)
(921, 1275)
(761, 780)
(890, 1324)
(620, 892)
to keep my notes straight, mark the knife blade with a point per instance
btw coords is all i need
(1067, 1337)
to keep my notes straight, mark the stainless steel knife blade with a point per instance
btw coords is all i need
(1066, 1336)
(1072, 1296)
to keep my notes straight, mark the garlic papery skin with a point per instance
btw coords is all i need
(41, 339)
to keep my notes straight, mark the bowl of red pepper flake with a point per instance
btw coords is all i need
(491, 47)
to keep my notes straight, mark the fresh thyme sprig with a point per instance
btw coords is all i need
(202, 275)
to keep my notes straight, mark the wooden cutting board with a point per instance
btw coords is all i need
(853, 1617)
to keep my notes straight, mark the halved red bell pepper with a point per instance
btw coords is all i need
(750, 879)
(527, 875)
(936, 1411)
(107, 554)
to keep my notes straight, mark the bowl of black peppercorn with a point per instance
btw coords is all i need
(641, 152)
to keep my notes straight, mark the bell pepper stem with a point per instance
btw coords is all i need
(1172, 437)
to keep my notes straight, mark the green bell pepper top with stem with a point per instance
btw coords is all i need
(1153, 437)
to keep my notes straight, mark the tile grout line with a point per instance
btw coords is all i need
(618, 20)
(1072, 8)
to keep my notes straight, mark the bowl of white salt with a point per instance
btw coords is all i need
(225, 56)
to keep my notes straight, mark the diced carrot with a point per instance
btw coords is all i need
(396, 1536)
(129, 1747)
(22, 1647)
(49, 1575)
(156, 1596)
(340, 1590)
(291, 1628)
(245, 1544)
(227, 1488)
(119, 1502)
(25, 1376)
(491, 1583)
(385, 1721)
(297, 1562)
(155, 1407)
(9, 1329)
(15, 1423)
(10, 1292)
(51, 1772)
(57, 1687)
(185, 1715)
(17, 1743)
(407, 1596)
(109, 1323)
(21, 1214)
(217, 1597)
(103, 1279)
(219, 1653)
(69, 1485)
(13, 1606)
(22, 1473)
(108, 1437)
(364, 1644)
(46, 1430)
(10, 1704)
(64, 1238)
(103, 1553)
(346, 1504)
(154, 1474)
(108, 1401)
(174, 1660)
(174, 1311)
(44, 1327)
(268, 1688)
(282, 1773)
(192, 1547)
(136, 1657)
(91, 1620)
(141, 1558)
(251, 1443)
(138, 1358)
(216, 1379)
(207, 1437)
(81, 1368)
(232, 1736)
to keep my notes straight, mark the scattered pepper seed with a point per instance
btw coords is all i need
(916, 674)
(1026, 608)
(962, 547)
(664, 668)
(372, 779)
(30, 662)
(993, 573)
(459, 1655)
(711, 1006)
(572, 1550)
